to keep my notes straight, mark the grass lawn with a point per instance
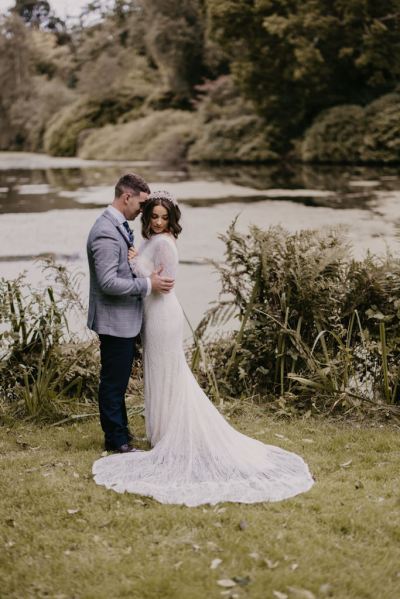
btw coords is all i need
(62, 536)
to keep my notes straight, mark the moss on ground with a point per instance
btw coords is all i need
(62, 536)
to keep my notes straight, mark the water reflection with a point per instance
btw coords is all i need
(38, 190)
(47, 207)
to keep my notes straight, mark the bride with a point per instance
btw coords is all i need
(196, 456)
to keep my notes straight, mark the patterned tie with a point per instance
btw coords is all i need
(129, 231)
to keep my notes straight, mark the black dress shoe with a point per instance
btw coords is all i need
(127, 448)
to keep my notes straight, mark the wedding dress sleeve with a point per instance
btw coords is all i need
(166, 256)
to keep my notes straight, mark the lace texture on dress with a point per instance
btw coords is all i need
(196, 456)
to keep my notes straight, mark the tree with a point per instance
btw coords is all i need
(294, 58)
(33, 12)
(38, 14)
(175, 42)
(16, 72)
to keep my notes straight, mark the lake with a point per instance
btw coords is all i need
(47, 206)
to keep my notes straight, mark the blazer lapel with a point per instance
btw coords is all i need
(119, 226)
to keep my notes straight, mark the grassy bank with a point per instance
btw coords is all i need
(65, 537)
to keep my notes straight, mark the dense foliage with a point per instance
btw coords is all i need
(355, 134)
(261, 79)
(294, 58)
(316, 328)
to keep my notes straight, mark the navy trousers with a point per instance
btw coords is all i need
(117, 355)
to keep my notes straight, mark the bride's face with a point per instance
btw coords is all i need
(159, 221)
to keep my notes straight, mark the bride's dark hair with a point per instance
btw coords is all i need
(174, 215)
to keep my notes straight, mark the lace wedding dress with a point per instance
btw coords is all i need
(196, 456)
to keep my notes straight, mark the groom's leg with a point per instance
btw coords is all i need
(117, 354)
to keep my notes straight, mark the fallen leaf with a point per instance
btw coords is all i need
(9, 544)
(305, 440)
(75, 475)
(213, 546)
(326, 590)
(23, 444)
(10, 522)
(104, 454)
(226, 582)
(346, 464)
(243, 525)
(242, 580)
(280, 436)
(139, 501)
(73, 511)
(254, 555)
(294, 567)
(279, 595)
(195, 547)
(215, 563)
(271, 565)
(301, 593)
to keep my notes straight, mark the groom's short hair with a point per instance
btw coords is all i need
(131, 182)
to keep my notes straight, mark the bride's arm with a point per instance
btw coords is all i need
(166, 257)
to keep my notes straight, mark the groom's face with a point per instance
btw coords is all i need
(133, 204)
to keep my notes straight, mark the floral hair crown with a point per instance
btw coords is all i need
(161, 194)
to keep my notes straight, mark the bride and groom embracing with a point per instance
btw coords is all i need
(196, 457)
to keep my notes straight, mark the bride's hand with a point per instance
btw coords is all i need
(132, 253)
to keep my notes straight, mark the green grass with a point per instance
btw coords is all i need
(341, 539)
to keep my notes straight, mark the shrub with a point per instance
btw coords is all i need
(162, 134)
(315, 326)
(355, 134)
(230, 130)
(47, 98)
(382, 137)
(44, 372)
(335, 136)
(66, 127)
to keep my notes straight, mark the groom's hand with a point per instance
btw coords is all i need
(161, 284)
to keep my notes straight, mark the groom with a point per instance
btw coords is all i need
(116, 304)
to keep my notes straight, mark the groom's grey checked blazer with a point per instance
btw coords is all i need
(115, 297)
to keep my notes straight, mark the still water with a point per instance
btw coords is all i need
(47, 205)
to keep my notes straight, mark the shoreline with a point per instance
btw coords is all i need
(35, 160)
